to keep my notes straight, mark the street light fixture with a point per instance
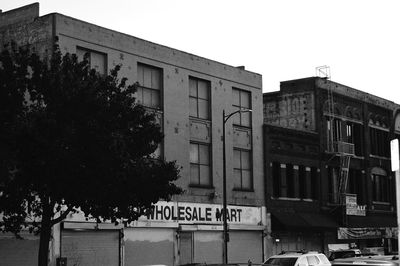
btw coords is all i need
(224, 211)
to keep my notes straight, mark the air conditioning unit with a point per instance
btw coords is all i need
(343, 147)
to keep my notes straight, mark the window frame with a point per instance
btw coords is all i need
(242, 170)
(199, 164)
(91, 52)
(197, 99)
(294, 186)
(152, 90)
(238, 119)
(380, 190)
(379, 141)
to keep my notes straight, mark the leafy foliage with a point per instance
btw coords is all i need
(72, 138)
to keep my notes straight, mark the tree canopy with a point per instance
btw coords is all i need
(72, 138)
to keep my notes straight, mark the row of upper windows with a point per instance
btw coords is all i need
(199, 94)
(150, 87)
(294, 181)
(150, 80)
(200, 167)
(301, 182)
(351, 132)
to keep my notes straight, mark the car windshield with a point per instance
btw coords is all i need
(342, 254)
(281, 261)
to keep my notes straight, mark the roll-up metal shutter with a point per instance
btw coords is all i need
(146, 246)
(17, 252)
(208, 247)
(244, 246)
(91, 247)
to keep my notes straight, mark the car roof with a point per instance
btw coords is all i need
(368, 260)
(297, 253)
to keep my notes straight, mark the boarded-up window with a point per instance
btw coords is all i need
(97, 60)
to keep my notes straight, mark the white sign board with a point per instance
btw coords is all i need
(352, 208)
(394, 154)
(195, 213)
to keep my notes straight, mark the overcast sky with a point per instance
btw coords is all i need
(281, 39)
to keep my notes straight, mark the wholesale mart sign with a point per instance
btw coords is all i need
(190, 213)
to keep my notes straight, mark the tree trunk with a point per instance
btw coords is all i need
(45, 235)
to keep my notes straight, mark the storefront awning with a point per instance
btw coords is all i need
(303, 220)
(371, 221)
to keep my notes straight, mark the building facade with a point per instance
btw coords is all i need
(189, 94)
(327, 163)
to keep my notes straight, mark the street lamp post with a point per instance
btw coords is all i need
(224, 211)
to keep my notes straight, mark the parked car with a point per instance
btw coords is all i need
(344, 253)
(376, 260)
(298, 258)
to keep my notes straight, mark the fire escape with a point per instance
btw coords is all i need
(337, 146)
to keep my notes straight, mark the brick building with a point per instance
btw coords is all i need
(189, 94)
(327, 166)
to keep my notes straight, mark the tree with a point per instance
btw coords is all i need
(72, 138)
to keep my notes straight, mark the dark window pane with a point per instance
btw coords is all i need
(193, 87)
(193, 107)
(194, 153)
(195, 174)
(203, 109)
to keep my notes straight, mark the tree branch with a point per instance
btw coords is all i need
(62, 216)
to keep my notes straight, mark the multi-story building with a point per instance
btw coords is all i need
(189, 94)
(327, 166)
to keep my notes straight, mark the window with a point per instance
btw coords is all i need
(243, 179)
(290, 181)
(312, 260)
(380, 187)
(97, 60)
(355, 184)
(150, 86)
(199, 97)
(334, 131)
(333, 177)
(303, 182)
(358, 138)
(294, 181)
(354, 135)
(200, 164)
(242, 101)
(380, 144)
(314, 183)
(276, 180)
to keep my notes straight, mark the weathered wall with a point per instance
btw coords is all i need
(177, 66)
(25, 14)
(355, 94)
(291, 110)
(24, 26)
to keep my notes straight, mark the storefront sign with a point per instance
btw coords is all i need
(367, 233)
(189, 213)
(352, 208)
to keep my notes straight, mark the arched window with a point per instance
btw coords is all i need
(380, 185)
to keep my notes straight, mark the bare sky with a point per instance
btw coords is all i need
(281, 39)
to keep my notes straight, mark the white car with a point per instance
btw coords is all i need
(298, 259)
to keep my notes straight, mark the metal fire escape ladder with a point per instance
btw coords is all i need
(344, 173)
(330, 116)
(336, 146)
